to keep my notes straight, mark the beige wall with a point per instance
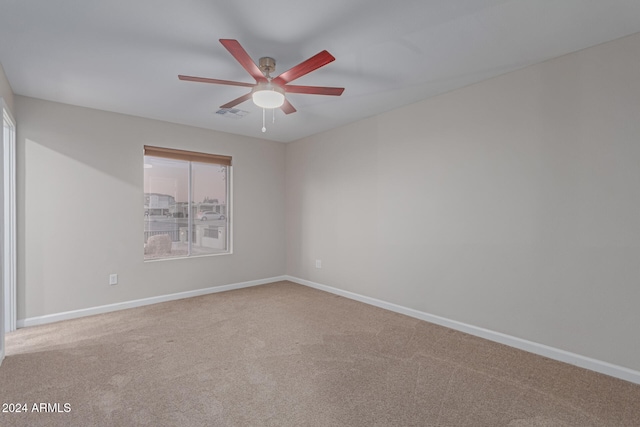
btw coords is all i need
(80, 209)
(5, 89)
(512, 205)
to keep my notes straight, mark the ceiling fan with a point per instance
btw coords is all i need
(269, 92)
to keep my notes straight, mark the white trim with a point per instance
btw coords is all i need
(229, 209)
(9, 223)
(50, 318)
(519, 343)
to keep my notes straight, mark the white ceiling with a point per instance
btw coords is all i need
(125, 55)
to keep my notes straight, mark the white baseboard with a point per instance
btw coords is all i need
(529, 346)
(50, 318)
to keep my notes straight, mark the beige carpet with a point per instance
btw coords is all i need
(286, 355)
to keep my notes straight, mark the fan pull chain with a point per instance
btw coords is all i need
(273, 118)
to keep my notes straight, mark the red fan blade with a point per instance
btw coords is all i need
(216, 81)
(314, 90)
(319, 60)
(241, 55)
(236, 101)
(287, 107)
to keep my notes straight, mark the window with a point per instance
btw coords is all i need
(187, 205)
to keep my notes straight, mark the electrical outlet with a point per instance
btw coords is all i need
(318, 263)
(113, 279)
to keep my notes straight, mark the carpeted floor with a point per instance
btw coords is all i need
(287, 355)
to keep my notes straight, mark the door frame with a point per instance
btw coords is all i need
(8, 229)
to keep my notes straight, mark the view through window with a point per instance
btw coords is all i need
(186, 203)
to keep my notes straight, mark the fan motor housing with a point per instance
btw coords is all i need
(267, 65)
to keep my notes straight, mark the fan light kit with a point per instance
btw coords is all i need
(269, 92)
(268, 96)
